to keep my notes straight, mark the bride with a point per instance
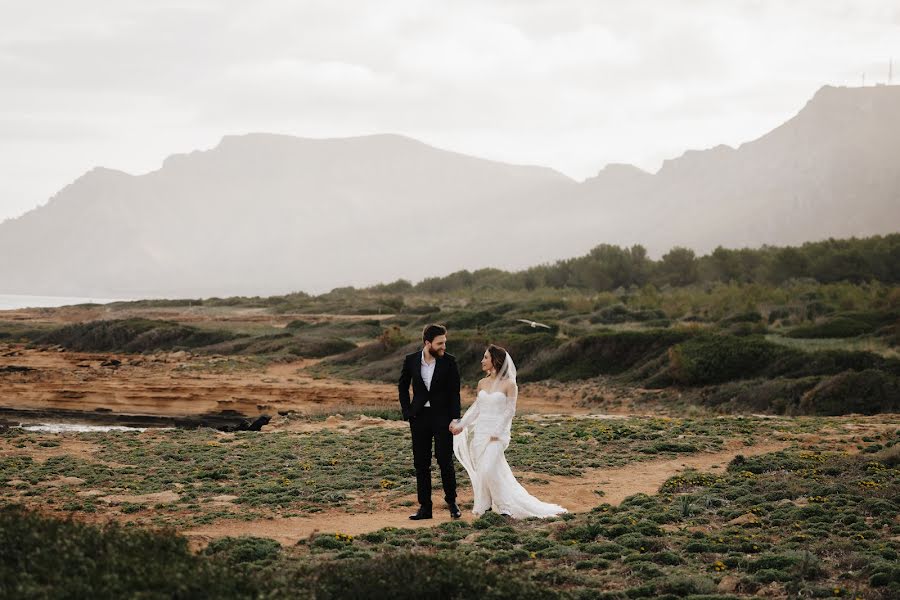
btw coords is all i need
(482, 436)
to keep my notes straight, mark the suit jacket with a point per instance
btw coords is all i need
(444, 393)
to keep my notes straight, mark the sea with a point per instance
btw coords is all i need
(80, 428)
(13, 301)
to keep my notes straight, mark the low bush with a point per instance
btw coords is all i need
(866, 392)
(244, 549)
(779, 314)
(132, 335)
(770, 396)
(619, 313)
(839, 327)
(42, 557)
(717, 358)
(847, 324)
(744, 317)
(602, 353)
(406, 576)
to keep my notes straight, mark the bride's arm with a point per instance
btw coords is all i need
(471, 413)
(512, 397)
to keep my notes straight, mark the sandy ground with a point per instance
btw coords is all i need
(577, 494)
(179, 384)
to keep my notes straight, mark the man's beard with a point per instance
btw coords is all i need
(437, 352)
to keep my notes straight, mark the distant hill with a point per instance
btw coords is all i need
(831, 171)
(270, 213)
(265, 214)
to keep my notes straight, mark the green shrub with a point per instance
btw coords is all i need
(306, 343)
(393, 338)
(602, 353)
(43, 557)
(883, 574)
(889, 456)
(779, 314)
(786, 566)
(743, 328)
(132, 335)
(244, 549)
(488, 520)
(744, 317)
(470, 319)
(817, 309)
(866, 392)
(424, 309)
(319, 348)
(829, 362)
(771, 396)
(619, 313)
(716, 358)
(412, 576)
(685, 585)
(838, 327)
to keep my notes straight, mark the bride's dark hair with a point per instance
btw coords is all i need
(498, 355)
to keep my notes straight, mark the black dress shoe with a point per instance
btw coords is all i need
(422, 513)
(454, 510)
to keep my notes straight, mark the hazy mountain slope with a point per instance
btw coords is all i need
(263, 213)
(832, 170)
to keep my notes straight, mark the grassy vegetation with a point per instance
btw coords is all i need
(801, 332)
(138, 335)
(303, 473)
(846, 325)
(710, 343)
(48, 558)
(814, 522)
(791, 523)
(813, 330)
(114, 562)
(131, 335)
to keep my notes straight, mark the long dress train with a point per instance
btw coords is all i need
(493, 482)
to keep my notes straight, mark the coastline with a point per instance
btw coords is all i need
(16, 301)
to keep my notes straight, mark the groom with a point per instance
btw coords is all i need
(435, 402)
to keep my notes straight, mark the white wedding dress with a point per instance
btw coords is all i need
(493, 483)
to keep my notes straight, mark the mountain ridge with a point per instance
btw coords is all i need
(272, 213)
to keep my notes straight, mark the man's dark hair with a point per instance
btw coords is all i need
(432, 331)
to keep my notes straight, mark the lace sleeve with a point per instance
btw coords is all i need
(512, 398)
(471, 414)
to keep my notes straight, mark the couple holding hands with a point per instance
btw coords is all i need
(479, 439)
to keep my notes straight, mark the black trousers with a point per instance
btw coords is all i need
(426, 426)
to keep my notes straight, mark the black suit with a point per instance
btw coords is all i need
(431, 423)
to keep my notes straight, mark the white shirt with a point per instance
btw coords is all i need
(427, 373)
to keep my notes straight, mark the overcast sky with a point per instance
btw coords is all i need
(568, 84)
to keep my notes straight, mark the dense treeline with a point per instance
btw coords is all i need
(609, 267)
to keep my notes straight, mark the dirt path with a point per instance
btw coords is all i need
(575, 493)
(578, 493)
